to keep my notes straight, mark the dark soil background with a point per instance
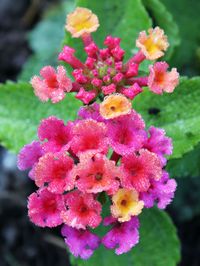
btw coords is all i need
(21, 243)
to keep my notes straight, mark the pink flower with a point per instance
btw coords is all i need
(89, 135)
(81, 210)
(126, 134)
(160, 192)
(80, 242)
(44, 208)
(96, 173)
(160, 80)
(123, 236)
(29, 156)
(159, 143)
(91, 111)
(55, 133)
(53, 85)
(140, 169)
(55, 171)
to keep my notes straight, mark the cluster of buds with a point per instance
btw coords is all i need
(106, 156)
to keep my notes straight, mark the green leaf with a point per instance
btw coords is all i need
(158, 246)
(124, 20)
(164, 19)
(21, 112)
(178, 113)
(45, 40)
(187, 166)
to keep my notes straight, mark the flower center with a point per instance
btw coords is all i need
(112, 108)
(98, 176)
(83, 209)
(124, 202)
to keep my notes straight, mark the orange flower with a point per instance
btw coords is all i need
(115, 105)
(81, 21)
(126, 203)
(154, 44)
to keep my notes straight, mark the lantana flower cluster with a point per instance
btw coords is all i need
(106, 158)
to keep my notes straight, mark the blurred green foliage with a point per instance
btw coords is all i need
(45, 40)
(186, 15)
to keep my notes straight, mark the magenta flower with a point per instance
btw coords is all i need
(53, 85)
(91, 111)
(44, 208)
(55, 134)
(126, 134)
(29, 156)
(54, 171)
(80, 242)
(140, 169)
(82, 210)
(123, 236)
(159, 143)
(160, 192)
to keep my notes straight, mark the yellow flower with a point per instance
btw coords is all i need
(126, 203)
(81, 21)
(154, 44)
(115, 105)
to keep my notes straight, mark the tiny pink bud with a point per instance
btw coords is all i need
(109, 61)
(95, 73)
(91, 49)
(118, 77)
(132, 91)
(106, 79)
(118, 53)
(118, 66)
(132, 70)
(111, 42)
(90, 62)
(79, 76)
(104, 53)
(86, 96)
(109, 89)
(67, 55)
(96, 82)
